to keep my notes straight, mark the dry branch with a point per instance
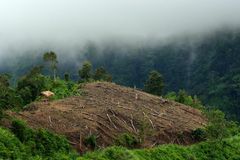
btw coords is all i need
(144, 114)
(50, 121)
(133, 123)
(110, 120)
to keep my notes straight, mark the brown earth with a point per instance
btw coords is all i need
(108, 110)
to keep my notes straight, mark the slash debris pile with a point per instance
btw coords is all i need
(107, 110)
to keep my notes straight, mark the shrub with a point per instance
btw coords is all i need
(199, 134)
(127, 140)
(22, 132)
(91, 141)
(10, 146)
(48, 143)
(40, 142)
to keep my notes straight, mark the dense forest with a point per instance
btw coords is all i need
(207, 66)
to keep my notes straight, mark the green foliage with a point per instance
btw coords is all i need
(171, 96)
(40, 142)
(66, 76)
(63, 89)
(31, 85)
(111, 153)
(8, 97)
(40, 145)
(154, 83)
(91, 141)
(127, 140)
(85, 71)
(199, 134)
(216, 150)
(20, 129)
(10, 146)
(52, 58)
(102, 75)
(218, 127)
(47, 143)
(184, 98)
(4, 80)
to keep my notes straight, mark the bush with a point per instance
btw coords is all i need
(63, 89)
(91, 141)
(183, 97)
(48, 143)
(10, 146)
(9, 98)
(154, 84)
(199, 134)
(127, 140)
(218, 127)
(22, 132)
(40, 142)
(214, 150)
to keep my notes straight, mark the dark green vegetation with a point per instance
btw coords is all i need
(25, 143)
(30, 86)
(182, 97)
(86, 74)
(228, 149)
(127, 140)
(52, 58)
(218, 126)
(8, 97)
(154, 83)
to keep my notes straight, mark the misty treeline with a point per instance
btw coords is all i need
(30, 86)
(208, 67)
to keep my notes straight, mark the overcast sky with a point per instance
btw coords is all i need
(26, 23)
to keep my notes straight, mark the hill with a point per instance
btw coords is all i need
(107, 110)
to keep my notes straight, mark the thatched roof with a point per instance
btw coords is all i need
(47, 93)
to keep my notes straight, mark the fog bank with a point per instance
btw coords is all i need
(65, 24)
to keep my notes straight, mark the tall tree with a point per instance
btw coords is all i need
(102, 75)
(31, 85)
(85, 71)
(8, 96)
(154, 83)
(66, 77)
(4, 79)
(52, 58)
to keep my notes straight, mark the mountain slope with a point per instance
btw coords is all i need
(108, 110)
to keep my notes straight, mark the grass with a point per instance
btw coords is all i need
(227, 149)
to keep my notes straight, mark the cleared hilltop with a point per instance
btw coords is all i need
(108, 110)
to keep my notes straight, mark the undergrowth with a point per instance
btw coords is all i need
(227, 149)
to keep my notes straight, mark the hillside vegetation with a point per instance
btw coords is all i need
(227, 149)
(12, 148)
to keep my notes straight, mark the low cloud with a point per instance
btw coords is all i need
(69, 23)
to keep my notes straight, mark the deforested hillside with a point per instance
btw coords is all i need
(107, 111)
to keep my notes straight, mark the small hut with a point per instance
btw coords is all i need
(47, 95)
